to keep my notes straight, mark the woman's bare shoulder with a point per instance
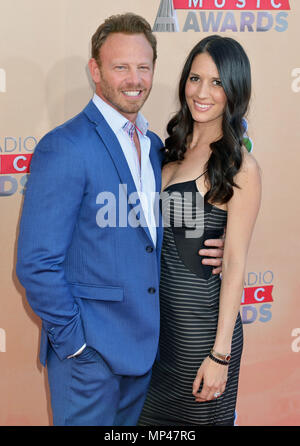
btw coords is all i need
(249, 161)
(250, 167)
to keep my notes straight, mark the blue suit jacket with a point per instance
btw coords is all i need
(88, 284)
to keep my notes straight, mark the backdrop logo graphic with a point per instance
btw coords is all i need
(248, 143)
(14, 163)
(223, 15)
(296, 342)
(166, 19)
(11, 144)
(257, 297)
(2, 340)
(9, 185)
(2, 81)
(296, 81)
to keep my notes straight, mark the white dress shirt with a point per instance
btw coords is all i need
(143, 175)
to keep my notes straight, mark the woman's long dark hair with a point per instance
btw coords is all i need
(226, 158)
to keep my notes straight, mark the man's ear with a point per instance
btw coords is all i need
(94, 70)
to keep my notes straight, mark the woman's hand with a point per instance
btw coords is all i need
(214, 377)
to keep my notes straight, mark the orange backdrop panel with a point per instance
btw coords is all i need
(43, 81)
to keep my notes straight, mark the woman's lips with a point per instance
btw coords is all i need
(202, 107)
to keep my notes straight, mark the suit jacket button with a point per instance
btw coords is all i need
(151, 290)
(149, 249)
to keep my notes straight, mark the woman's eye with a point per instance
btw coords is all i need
(194, 78)
(217, 82)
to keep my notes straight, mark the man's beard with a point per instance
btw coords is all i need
(118, 100)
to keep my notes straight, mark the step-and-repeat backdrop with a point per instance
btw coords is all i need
(44, 49)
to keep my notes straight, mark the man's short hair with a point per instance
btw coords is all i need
(123, 23)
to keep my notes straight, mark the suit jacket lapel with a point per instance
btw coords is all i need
(156, 164)
(155, 161)
(115, 150)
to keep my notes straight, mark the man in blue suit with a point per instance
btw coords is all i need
(90, 239)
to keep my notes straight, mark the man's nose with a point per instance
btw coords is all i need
(134, 76)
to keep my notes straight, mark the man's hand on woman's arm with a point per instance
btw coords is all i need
(214, 250)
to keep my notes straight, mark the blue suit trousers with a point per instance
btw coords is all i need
(85, 392)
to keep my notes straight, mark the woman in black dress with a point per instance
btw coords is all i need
(210, 183)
